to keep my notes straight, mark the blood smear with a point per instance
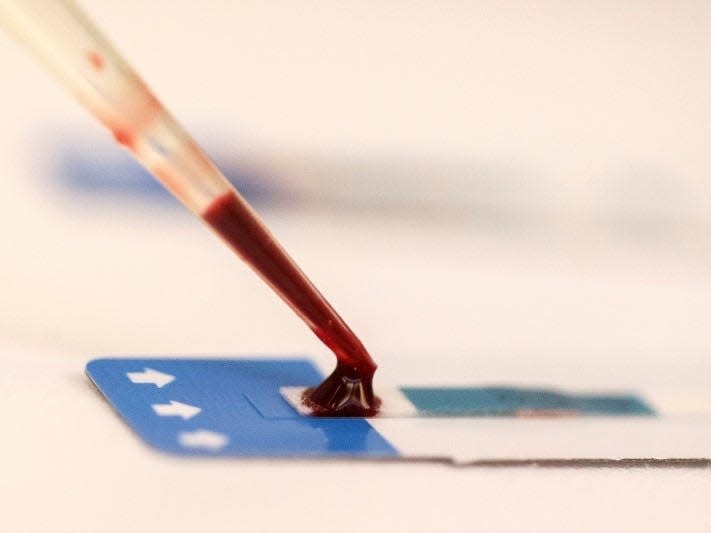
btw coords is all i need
(95, 60)
(124, 138)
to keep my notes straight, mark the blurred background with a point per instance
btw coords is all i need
(486, 191)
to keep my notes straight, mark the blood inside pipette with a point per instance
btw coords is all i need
(348, 391)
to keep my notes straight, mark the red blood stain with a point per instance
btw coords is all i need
(349, 390)
(124, 138)
(95, 60)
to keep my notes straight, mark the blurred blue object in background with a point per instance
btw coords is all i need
(114, 173)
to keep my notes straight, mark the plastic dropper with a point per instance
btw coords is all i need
(63, 38)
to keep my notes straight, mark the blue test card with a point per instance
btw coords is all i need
(253, 408)
(228, 407)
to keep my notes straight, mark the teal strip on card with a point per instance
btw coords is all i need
(513, 401)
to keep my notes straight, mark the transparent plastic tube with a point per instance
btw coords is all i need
(64, 39)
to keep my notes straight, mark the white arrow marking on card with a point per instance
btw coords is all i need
(202, 438)
(159, 379)
(174, 408)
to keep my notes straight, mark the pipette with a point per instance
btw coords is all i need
(63, 38)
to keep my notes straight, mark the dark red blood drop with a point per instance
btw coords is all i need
(346, 392)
